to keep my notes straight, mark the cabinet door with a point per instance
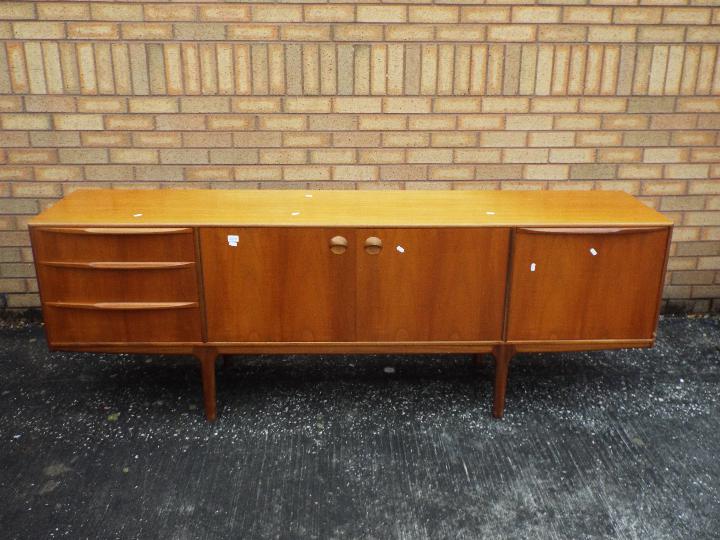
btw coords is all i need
(431, 284)
(585, 284)
(278, 284)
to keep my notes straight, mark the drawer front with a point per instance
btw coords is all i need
(135, 283)
(68, 325)
(585, 284)
(95, 244)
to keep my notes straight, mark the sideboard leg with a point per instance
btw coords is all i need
(207, 357)
(502, 354)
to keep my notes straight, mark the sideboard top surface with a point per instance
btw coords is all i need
(315, 208)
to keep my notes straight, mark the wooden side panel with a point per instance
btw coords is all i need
(445, 284)
(577, 286)
(277, 284)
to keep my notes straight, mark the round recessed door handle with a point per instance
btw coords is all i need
(338, 245)
(373, 245)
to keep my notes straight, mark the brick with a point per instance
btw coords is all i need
(640, 171)
(283, 122)
(307, 105)
(431, 122)
(92, 30)
(452, 139)
(611, 33)
(381, 122)
(408, 32)
(256, 104)
(502, 138)
(78, 121)
(58, 173)
(307, 140)
(406, 105)
(131, 122)
(665, 155)
(16, 10)
(20, 156)
(587, 15)
(49, 104)
(381, 155)
(222, 13)
(376, 13)
(637, 15)
(485, 14)
(358, 32)
(535, 14)
(234, 155)
(147, 31)
(433, 14)
(332, 155)
(619, 155)
(515, 32)
(571, 155)
(283, 156)
(306, 173)
(526, 122)
(353, 173)
(205, 104)
(460, 32)
(505, 104)
(551, 138)
(694, 277)
(133, 155)
(686, 15)
(410, 139)
(171, 12)
(116, 12)
(403, 172)
(199, 31)
(39, 30)
(592, 172)
(57, 11)
(427, 155)
(101, 104)
(485, 121)
(525, 155)
(83, 155)
(477, 155)
(153, 105)
(25, 121)
(329, 13)
(156, 139)
(552, 104)
(456, 104)
(276, 13)
(546, 172)
(357, 105)
(252, 32)
(229, 122)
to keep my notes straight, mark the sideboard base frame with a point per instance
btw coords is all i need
(207, 355)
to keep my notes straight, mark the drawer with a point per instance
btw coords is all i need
(126, 323)
(99, 244)
(118, 282)
(586, 283)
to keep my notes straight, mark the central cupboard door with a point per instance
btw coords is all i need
(278, 284)
(431, 284)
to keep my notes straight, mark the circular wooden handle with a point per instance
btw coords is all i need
(373, 245)
(338, 245)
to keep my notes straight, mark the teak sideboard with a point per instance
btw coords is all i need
(210, 272)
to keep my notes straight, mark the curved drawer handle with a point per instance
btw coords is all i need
(119, 230)
(110, 265)
(338, 245)
(122, 306)
(588, 230)
(373, 245)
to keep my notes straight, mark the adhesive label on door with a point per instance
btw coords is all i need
(233, 240)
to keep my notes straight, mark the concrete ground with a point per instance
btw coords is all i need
(622, 444)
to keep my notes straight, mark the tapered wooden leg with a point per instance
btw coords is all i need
(502, 354)
(207, 357)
